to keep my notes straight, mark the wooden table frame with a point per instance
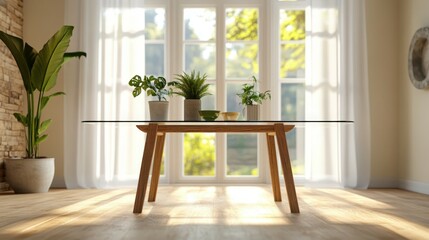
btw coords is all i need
(154, 146)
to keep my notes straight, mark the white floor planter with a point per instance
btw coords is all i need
(191, 108)
(252, 112)
(158, 110)
(30, 175)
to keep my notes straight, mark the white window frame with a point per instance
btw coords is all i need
(274, 71)
(268, 32)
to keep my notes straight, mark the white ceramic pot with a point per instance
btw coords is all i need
(158, 110)
(252, 112)
(30, 175)
(191, 108)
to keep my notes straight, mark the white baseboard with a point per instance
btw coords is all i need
(413, 186)
(383, 183)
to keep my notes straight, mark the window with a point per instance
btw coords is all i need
(226, 40)
(155, 48)
(222, 42)
(230, 40)
(155, 41)
(241, 62)
(199, 52)
(291, 74)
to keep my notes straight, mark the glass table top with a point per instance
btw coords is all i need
(218, 121)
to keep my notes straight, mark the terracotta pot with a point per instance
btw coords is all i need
(191, 108)
(158, 110)
(30, 175)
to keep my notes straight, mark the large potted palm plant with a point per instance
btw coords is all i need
(39, 71)
(192, 87)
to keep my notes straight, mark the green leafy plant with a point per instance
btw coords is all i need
(191, 86)
(250, 96)
(39, 71)
(154, 86)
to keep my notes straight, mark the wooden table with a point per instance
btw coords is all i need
(153, 149)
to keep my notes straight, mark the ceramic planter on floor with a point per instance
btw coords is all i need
(158, 110)
(29, 175)
(191, 108)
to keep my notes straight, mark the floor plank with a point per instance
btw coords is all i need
(215, 212)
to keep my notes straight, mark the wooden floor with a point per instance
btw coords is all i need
(215, 212)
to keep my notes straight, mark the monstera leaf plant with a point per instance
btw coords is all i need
(39, 71)
(155, 87)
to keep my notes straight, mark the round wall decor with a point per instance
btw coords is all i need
(418, 59)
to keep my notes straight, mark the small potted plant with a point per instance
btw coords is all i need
(192, 87)
(252, 98)
(155, 87)
(39, 71)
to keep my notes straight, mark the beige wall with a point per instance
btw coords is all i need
(42, 18)
(413, 105)
(382, 39)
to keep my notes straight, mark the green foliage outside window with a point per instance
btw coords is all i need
(292, 28)
(199, 154)
(242, 26)
(242, 155)
(154, 24)
(154, 51)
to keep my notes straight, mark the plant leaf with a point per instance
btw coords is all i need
(70, 55)
(45, 99)
(30, 55)
(50, 58)
(250, 96)
(40, 139)
(150, 92)
(21, 118)
(136, 81)
(44, 125)
(137, 91)
(160, 83)
(16, 47)
(191, 86)
(67, 57)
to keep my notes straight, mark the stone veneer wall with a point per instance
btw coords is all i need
(12, 134)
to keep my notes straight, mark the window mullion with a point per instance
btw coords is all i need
(275, 58)
(220, 88)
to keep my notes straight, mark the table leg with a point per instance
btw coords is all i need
(273, 167)
(286, 166)
(159, 149)
(145, 167)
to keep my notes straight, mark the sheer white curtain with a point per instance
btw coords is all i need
(112, 33)
(356, 168)
(107, 155)
(338, 89)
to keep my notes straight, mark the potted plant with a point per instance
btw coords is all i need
(192, 87)
(39, 71)
(252, 99)
(156, 87)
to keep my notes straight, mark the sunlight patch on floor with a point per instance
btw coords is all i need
(92, 208)
(357, 209)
